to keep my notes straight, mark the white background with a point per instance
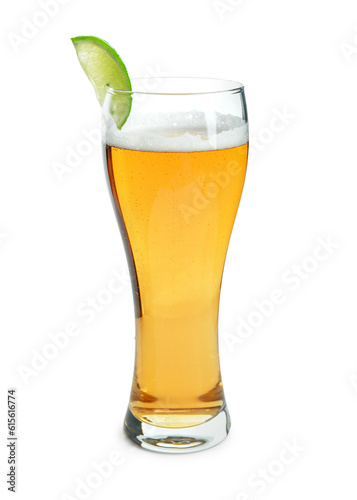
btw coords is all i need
(294, 377)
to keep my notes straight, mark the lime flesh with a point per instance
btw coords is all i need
(104, 68)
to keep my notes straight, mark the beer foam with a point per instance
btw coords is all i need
(177, 132)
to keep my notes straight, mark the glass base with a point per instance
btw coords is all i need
(183, 440)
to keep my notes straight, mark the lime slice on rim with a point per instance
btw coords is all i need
(104, 68)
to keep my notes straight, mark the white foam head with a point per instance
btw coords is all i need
(177, 131)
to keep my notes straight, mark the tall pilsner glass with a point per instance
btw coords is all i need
(176, 171)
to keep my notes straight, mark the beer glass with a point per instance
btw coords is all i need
(176, 171)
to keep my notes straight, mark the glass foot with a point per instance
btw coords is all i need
(182, 440)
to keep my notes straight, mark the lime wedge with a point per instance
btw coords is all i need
(104, 68)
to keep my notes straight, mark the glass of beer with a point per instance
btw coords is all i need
(176, 171)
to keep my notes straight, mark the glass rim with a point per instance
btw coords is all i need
(231, 86)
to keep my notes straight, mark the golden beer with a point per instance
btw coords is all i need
(176, 211)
